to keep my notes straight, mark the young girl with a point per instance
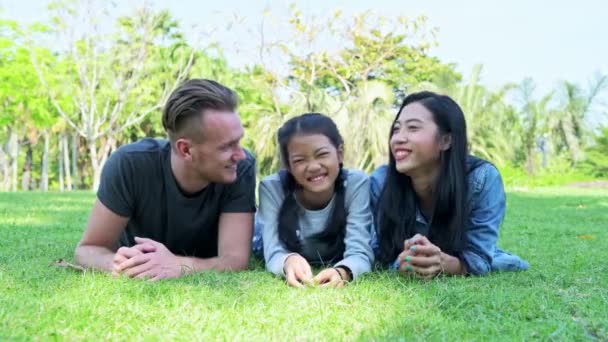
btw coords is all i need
(314, 212)
(437, 209)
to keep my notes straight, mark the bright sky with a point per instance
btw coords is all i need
(546, 40)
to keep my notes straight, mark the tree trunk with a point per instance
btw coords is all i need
(4, 166)
(576, 152)
(60, 162)
(14, 154)
(99, 158)
(530, 160)
(75, 138)
(44, 176)
(27, 169)
(94, 164)
(66, 161)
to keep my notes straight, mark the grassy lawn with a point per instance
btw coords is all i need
(562, 232)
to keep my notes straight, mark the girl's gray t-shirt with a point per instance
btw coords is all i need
(358, 254)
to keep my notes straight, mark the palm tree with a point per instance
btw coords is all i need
(490, 121)
(363, 117)
(570, 123)
(365, 123)
(533, 118)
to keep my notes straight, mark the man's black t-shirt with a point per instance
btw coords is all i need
(137, 182)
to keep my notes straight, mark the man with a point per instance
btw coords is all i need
(170, 208)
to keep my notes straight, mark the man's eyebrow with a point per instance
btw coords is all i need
(234, 141)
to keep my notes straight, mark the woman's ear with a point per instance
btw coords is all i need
(341, 153)
(446, 142)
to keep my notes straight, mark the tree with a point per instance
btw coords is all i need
(116, 78)
(570, 125)
(532, 122)
(357, 82)
(490, 120)
(596, 162)
(25, 110)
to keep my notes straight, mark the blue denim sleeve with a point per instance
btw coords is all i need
(487, 211)
(395, 265)
(376, 181)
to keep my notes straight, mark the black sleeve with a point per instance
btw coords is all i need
(115, 187)
(240, 195)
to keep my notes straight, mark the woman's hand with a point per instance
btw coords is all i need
(297, 271)
(421, 257)
(424, 259)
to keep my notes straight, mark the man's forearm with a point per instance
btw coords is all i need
(95, 257)
(220, 263)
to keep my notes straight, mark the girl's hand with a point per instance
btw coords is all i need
(421, 258)
(297, 271)
(331, 277)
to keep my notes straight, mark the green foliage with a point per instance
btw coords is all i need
(358, 83)
(569, 123)
(21, 100)
(109, 87)
(490, 120)
(560, 173)
(562, 296)
(596, 162)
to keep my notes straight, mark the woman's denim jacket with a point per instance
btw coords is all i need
(486, 198)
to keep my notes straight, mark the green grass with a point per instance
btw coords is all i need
(562, 232)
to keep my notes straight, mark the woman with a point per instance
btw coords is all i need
(314, 212)
(437, 209)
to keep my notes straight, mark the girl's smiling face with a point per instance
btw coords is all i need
(314, 162)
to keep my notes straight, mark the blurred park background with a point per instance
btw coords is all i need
(80, 78)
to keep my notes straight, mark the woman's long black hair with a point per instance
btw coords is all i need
(333, 234)
(396, 210)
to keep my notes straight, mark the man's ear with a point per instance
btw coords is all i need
(446, 142)
(183, 148)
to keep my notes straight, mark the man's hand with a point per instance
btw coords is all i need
(96, 249)
(297, 271)
(151, 260)
(125, 253)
